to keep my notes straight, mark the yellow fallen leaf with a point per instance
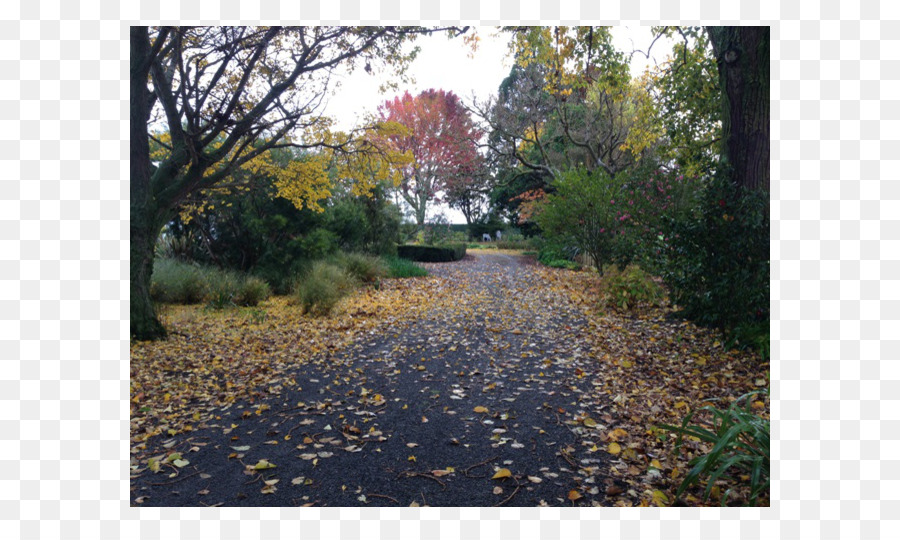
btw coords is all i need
(480, 409)
(656, 463)
(411, 458)
(502, 473)
(590, 422)
(574, 495)
(614, 448)
(263, 464)
(618, 434)
(660, 498)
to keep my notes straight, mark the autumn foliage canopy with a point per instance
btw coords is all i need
(442, 140)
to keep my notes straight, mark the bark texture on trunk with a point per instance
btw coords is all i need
(143, 223)
(742, 54)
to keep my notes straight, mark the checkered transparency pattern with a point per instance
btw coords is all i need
(64, 276)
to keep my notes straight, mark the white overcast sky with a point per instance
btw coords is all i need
(446, 64)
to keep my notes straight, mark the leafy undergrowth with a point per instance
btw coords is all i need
(653, 369)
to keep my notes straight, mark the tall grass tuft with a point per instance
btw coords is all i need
(740, 447)
(403, 268)
(176, 282)
(364, 268)
(320, 289)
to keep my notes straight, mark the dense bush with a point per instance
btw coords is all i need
(629, 288)
(717, 265)
(739, 446)
(321, 287)
(582, 212)
(403, 268)
(555, 255)
(451, 252)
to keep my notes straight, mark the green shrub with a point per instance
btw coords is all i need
(628, 288)
(320, 289)
(176, 282)
(445, 253)
(251, 291)
(717, 263)
(364, 268)
(512, 244)
(403, 268)
(222, 289)
(740, 446)
(554, 255)
(562, 263)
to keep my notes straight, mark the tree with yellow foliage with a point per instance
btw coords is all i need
(224, 97)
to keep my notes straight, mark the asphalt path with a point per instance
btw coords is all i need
(476, 403)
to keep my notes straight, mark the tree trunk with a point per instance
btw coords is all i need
(742, 54)
(144, 228)
(144, 324)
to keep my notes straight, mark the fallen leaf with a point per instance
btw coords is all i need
(574, 495)
(589, 422)
(263, 464)
(502, 473)
(299, 480)
(535, 479)
(614, 448)
(480, 409)
(660, 498)
(498, 490)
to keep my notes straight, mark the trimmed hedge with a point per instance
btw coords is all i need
(446, 253)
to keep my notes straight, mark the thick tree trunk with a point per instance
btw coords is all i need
(742, 54)
(144, 323)
(144, 226)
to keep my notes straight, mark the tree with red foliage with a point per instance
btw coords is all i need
(442, 140)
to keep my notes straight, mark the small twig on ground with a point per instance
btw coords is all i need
(423, 475)
(179, 479)
(479, 464)
(565, 455)
(382, 497)
(513, 494)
